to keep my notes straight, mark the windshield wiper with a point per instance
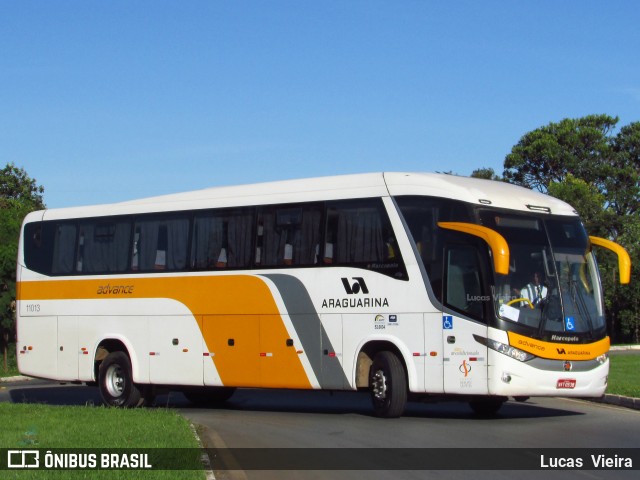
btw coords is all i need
(580, 304)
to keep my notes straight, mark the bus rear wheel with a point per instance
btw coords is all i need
(116, 382)
(388, 385)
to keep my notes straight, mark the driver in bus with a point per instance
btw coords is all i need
(534, 291)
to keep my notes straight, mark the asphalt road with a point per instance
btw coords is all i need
(299, 419)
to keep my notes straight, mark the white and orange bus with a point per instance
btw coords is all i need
(402, 284)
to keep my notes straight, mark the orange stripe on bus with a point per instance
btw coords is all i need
(238, 294)
(559, 351)
(239, 307)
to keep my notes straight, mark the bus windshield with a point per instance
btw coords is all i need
(553, 284)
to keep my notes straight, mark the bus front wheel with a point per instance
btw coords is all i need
(116, 382)
(388, 385)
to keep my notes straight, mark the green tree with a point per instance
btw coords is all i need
(627, 298)
(15, 184)
(578, 146)
(486, 173)
(587, 200)
(19, 195)
(583, 162)
(622, 183)
(623, 189)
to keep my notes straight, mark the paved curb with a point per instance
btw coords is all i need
(620, 348)
(204, 458)
(619, 400)
(19, 378)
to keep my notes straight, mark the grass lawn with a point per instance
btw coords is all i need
(43, 426)
(624, 378)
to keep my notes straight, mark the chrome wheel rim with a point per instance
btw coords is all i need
(115, 380)
(379, 385)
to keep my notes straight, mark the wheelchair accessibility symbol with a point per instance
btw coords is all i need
(447, 322)
(569, 324)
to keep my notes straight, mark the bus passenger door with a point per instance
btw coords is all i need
(465, 297)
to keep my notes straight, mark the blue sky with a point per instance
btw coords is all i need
(109, 101)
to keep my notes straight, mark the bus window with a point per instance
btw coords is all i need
(355, 233)
(38, 246)
(222, 239)
(160, 244)
(359, 233)
(64, 248)
(422, 215)
(464, 291)
(289, 235)
(103, 246)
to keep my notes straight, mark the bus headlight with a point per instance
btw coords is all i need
(510, 351)
(602, 358)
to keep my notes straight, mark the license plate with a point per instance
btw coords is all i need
(566, 383)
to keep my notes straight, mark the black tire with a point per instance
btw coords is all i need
(388, 385)
(116, 382)
(208, 395)
(486, 407)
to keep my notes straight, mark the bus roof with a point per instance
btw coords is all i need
(471, 190)
(475, 190)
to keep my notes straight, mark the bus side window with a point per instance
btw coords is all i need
(359, 234)
(222, 239)
(38, 246)
(103, 246)
(160, 244)
(355, 233)
(463, 281)
(208, 238)
(64, 248)
(307, 239)
(272, 238)
(288, 235)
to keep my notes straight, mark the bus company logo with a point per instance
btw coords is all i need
(567, 366)
(108, 289)
(578, 353)
(465, 368)
(531, 345)
(356, 287)
(23, 459)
